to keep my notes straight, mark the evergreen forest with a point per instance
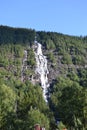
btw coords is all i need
(21, 101)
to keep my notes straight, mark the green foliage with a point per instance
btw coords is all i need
(21, 103)
(78, 60)
(66, 59)
(16, 35)
(36, 117)
(7, 103)
(68, 102)
(73, 76)
(28, 96)
(82, 74)
(50, 45)
(31, 58)
(71, 105)
(73, 49)
(51, 57)
(16, 103)
(61, 126)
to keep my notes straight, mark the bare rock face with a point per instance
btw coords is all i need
(55, 68)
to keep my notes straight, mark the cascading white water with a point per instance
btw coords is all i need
(41, 68)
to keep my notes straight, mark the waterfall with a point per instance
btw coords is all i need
(41, 68)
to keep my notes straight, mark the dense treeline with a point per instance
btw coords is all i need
(68, 92)
(21, 106)
(73, 49)
(16, 35)
(21, 102)
(68, 101)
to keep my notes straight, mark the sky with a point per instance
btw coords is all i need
(62, 16)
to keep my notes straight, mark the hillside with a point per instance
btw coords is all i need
(22, 104)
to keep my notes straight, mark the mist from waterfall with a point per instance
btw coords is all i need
(41, 68)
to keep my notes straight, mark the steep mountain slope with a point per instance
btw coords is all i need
(67, 78)
(65, 53)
